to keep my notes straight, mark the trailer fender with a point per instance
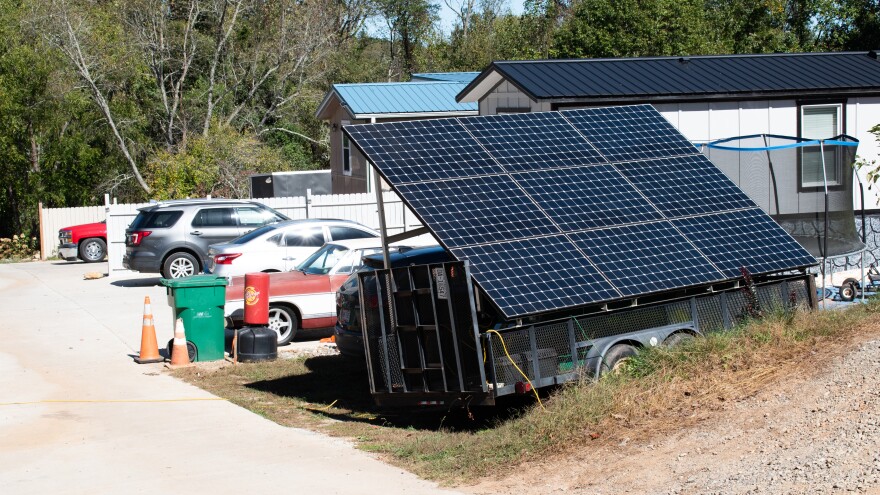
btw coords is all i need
(650, 337)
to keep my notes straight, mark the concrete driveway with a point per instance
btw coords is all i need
(78, 416)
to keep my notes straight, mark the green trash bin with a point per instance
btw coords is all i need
(199, 301)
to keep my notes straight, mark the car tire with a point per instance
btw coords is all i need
(616, 357)
(92, 250)
(180, 265)
(283, 321)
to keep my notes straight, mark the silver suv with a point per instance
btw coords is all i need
(172, 237)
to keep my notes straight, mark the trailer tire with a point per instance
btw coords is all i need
(848, 289)
(617, 357)
(678, 338)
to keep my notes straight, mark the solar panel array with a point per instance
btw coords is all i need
(562, 209)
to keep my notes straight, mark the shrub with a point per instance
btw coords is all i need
(18, 247)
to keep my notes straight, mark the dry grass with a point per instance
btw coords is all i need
(661, 391)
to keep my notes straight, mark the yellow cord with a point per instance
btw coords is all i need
(106, 401)
(329, 405)
(504, 346)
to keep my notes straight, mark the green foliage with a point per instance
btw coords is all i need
(217, 164)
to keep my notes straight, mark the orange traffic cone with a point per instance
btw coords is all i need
(179, 352)
(149, 347)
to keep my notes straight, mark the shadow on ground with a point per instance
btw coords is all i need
(136, 282)
(344, 380)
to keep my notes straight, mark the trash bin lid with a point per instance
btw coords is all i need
(194, 281)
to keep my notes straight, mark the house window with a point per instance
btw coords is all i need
(346, 152)
(820, 122)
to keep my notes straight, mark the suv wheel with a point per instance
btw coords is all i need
(180, 265)
(92, 250)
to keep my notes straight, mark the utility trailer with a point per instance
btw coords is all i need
(426, 345)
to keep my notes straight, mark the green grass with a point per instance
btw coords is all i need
(659, 391)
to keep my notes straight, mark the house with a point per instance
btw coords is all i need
(811, 95)
(428, 96)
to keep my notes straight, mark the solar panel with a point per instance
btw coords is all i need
(535, 275)
(547, 226)
(686, 185)
(587, 197)
(477, 210)
(748, 238)
(646, 258)
(423, 150)
(532, 141)
(629, 133)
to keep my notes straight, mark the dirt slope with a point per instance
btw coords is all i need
(806, 435)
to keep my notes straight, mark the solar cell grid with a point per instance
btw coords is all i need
(748, 238)
(646, 258)
(535, 275)
(546, 225)
(587, 197)
(685, 185)
(629, 133)
(477, 210)
(423, 150)
(532, 141)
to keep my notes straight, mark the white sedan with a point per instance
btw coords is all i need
(281, 246)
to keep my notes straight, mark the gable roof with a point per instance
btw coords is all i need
(718, 76)
(462, 77)
(406, 99)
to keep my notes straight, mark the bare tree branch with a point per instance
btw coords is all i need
(66, 38)
(220, 44)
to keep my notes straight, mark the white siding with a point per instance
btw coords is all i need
(861, 115)
(506, 95)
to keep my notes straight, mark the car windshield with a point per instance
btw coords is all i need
(253, 234)
(323, 260)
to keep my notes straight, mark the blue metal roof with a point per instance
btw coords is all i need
(399, 98)
(716, 76)
(463, 77)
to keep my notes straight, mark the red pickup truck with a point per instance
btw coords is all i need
(87, 242)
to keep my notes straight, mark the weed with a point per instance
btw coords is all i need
(661, 390)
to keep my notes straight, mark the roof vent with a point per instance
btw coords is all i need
(873, 54)
(684, 60)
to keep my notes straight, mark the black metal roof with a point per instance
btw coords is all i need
(693, 77)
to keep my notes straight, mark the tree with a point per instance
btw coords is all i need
(54, 146)
(633, 28)
(68, 29)
(848, 24)
(409, 21)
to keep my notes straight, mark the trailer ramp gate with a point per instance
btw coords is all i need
(424, 347)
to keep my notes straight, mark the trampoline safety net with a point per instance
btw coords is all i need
(807, 186)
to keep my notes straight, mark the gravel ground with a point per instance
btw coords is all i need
(813, 435)
(820, 436)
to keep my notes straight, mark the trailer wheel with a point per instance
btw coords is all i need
(616, 358)
(848, 289)
(678, 338)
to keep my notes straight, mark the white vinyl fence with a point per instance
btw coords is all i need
(358, 207)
